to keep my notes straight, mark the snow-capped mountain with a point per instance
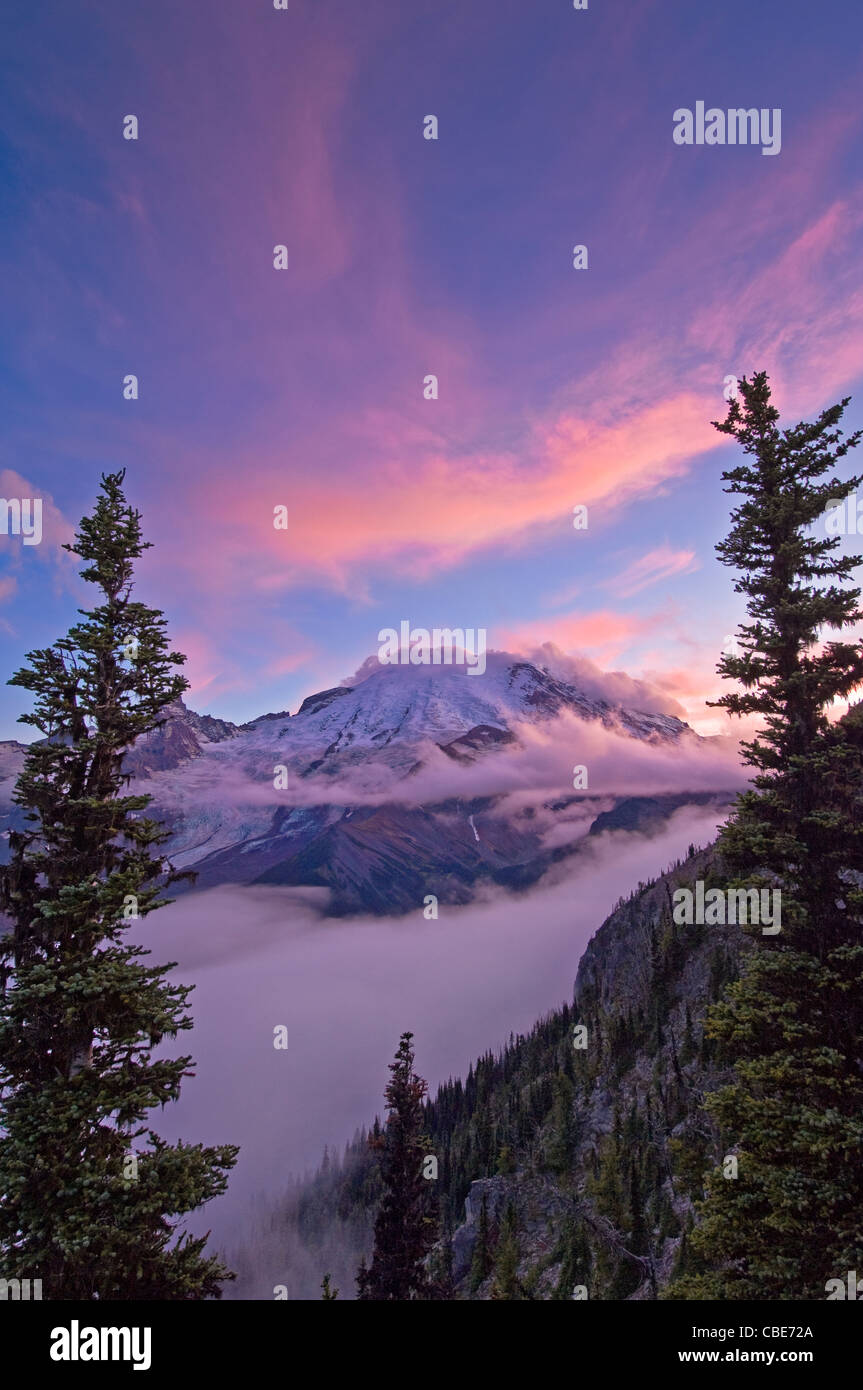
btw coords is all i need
(330, 796)
(394, 710)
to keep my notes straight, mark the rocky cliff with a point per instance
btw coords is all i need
(603, 1172)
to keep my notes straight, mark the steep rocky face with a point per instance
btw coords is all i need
(11, 764)
(313, 703)
(386, 859)
(604, 1187)
(645, 814)
(469, 746)
(162, 750)
(208, 728)
(179, 739)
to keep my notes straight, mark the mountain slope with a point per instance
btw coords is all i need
(352, 818)
(351, 753)
(599, 1150)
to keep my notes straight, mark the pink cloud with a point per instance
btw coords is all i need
(657, 565)
(433, 511)
(605, 634)
(433, 504)
(56, 531)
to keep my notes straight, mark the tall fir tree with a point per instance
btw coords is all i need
(506, 1285)
(80, 1012)
(560, 1141)
(405, 1227)
(792, 1025)
(575, 1270)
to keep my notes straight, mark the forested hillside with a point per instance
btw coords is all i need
(559, 1166)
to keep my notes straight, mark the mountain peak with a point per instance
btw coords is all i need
(313, 703)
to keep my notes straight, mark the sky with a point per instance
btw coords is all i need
(304, 388)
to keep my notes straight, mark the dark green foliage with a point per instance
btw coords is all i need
(499, 1121)
(688, 1153)
(638, 1239)
(505, 1161)
(506, 1283)
(775, 1077)
(793, 1024)
(607, 1187)
(494, 1115)
(560, 1143)
(686, 1260)
(577, 1260)
(800, 824)
(405, 1228)
(80, 1012)
(441, 1266)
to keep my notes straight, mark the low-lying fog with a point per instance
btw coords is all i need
(346, 989)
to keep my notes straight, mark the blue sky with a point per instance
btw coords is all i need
(407, 257)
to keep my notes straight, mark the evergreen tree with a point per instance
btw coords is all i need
(639, 1243)
(441, 1265)
(404, 1229)
(506, 1284)
(790, 824)
(329, 1294)
(684, 1261)
(606, 1188)
(505, 1161)
(80, 1013)
(577, 1260)
(792, 1025)
(560, 1145)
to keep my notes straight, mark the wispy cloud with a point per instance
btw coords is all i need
(652, 568)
